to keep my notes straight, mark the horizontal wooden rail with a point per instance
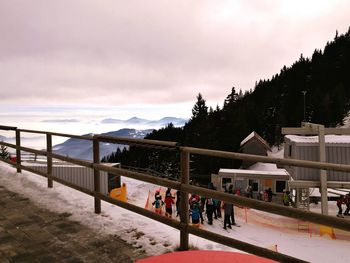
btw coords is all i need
(139, 176)
(243, 246)
(82, 137)
(8, 144)
(7, 128)
(140, 142)
(257, 158)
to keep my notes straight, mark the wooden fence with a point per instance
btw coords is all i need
(183, 185)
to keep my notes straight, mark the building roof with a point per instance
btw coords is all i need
(344, 139)
(262, 174)
(254, 136)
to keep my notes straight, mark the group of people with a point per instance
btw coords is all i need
(197, 205)
(343, 199)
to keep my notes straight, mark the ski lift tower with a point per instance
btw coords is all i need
(319, 130)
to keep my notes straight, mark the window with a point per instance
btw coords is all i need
(289, 150)
(280, 186)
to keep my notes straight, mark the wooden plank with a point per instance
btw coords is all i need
(139, 176)
(18, 151)
(264, 159)
(140, 142)
(309, 131)
(184, 211)
(49, 160)
(96, 158)
(7, 128)
(323, 173)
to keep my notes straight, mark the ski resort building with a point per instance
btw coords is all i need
(260, 176)
(307, 148)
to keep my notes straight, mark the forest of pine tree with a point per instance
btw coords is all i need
(272, 104)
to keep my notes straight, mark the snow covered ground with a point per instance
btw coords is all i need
(156, 238)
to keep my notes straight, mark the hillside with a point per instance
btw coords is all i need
(82, 149)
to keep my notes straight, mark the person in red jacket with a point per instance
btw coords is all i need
(169, 201)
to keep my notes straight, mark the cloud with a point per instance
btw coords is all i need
(129, 52)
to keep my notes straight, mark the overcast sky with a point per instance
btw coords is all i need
(134, 54)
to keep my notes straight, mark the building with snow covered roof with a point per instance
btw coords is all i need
(253, 144)
(307, 148)
(259, 176)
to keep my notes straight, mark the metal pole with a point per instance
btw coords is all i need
(184, 213)
(96, 159)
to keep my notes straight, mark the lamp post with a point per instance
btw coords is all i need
(304, 93)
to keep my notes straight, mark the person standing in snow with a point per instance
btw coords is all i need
(195, 213)
(227, 214)
(169, 201)
(178, 194)
(340, 201)
(233, 221)
(158, 203)
(347, 203)
(209, 208)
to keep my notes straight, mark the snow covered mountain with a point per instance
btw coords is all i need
(82, 149)
(154, 123)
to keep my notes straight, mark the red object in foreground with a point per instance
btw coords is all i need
(205, 256)
(13, 159)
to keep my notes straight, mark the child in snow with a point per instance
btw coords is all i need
(169, 201)
(158, 202)
(195, 213)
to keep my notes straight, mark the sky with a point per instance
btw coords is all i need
(119, 59)
(159, 238)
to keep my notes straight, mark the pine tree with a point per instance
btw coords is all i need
(200, 109)
(4, 152)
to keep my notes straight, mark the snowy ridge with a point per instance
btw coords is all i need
(82, 149)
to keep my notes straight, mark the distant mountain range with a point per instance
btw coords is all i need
(82, 149)
(138, 121)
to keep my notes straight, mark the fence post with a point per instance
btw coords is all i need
(96, 159)
(184, 213)
(18, 151)
(49, 160)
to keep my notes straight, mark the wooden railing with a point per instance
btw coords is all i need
(182, 185)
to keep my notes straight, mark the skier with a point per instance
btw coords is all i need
(227, 214)
(340, 201)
